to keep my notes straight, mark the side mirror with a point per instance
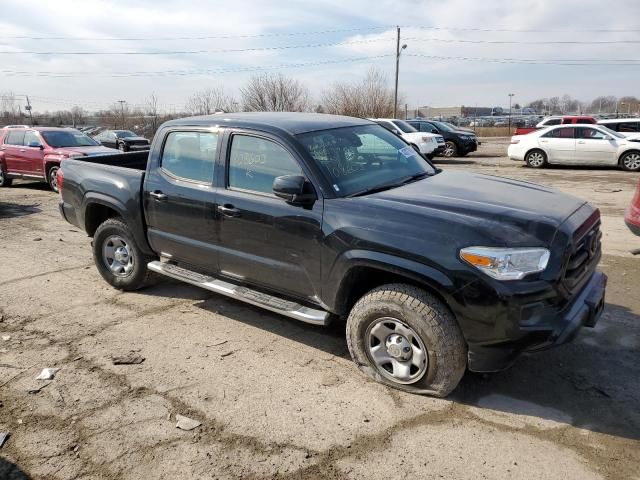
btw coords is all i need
(434, 130)
(293, 189)
(398, 133)
(35, 145)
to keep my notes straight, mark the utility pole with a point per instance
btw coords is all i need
(28, 108)
(510, 97)
(122, 102)
(395, 91)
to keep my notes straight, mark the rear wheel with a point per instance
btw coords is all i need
(630, 161)
(118, 257)
(52, 178)
(536, 159)
(406, 338)
(4, 181)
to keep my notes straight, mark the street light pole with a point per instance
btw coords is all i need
(395, 91)
(510, 97)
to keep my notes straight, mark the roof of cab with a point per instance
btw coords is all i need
(289, 122)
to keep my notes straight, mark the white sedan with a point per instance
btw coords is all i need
(576, 145)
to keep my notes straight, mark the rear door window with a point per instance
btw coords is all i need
(626, 127)
(15, 137)
(255, 162)
(566, 132)
(31, 138)
(190, 155)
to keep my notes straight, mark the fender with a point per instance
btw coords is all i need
(139, 233)
(418, 272)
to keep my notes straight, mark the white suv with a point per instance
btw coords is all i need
(425, 143)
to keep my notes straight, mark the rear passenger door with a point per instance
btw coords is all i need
(560, 145)
(179, 198)
(264, 240)
(13, 148)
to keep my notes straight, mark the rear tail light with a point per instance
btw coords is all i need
(60, 179)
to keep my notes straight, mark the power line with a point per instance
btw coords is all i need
(48, 74)
(525, 30)
(198, 52)
(523, 42)
(524, 61)
(204, 37)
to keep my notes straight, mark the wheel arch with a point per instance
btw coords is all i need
(362, 271)
(631, 150)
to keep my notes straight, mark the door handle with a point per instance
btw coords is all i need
(22, 150)
(581, 141)
(228, 210)
(158, 195)
(544, 141)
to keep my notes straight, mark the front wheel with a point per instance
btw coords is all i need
(536, 159)
(122, 147)
(52, 178)
(450, 149)
(118, 257)
(406, 338)
(4, 181)
(630, 161)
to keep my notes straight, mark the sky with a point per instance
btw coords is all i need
(458, 51)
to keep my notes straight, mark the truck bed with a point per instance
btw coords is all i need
(135, 160)
(114, 180)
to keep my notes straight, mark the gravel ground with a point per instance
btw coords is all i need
(281, 399)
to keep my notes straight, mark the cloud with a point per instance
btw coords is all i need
(424, 79)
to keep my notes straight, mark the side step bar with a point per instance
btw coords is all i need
(259, 299)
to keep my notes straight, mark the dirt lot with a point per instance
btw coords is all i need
(281, 399)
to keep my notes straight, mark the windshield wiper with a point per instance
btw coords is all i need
(389, 186)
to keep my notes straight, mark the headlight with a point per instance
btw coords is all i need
(506, 263)
(426, 139)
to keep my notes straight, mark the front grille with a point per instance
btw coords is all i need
(583, 255)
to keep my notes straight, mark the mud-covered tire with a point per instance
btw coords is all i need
(536, 158)
(4, 181)
(424, 314)
(138, 275)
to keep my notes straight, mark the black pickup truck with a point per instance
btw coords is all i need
(322, 217)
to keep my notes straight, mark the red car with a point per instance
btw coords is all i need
(35, 153)
(632, 214)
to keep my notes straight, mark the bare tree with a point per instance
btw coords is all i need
(371, 97)
(151, 111)
(274, 93)
(210, 100)
(9, 108)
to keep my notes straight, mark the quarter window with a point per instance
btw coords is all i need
(190, 155)
(15, 138)
(255, 162)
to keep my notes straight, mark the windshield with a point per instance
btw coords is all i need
(613, 133)
(356, 159)
(124, 133)
(447, 127)
(70, 138)
(404, 126)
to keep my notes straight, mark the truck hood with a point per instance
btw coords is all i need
(522, 211)
(89, 151)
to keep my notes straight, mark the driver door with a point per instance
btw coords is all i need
(595, 147)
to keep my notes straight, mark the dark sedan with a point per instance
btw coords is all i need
(124, 140)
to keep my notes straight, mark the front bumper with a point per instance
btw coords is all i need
(135, 148)
(632, 219)
(552, 330)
